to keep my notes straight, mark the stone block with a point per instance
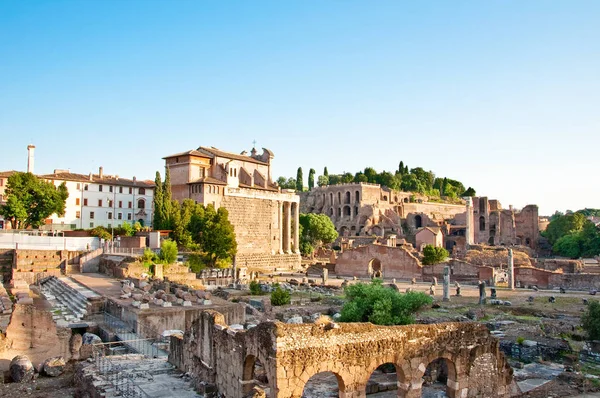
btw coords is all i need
(144, 306)
(166, 304)
(187, 303)
(206, 302)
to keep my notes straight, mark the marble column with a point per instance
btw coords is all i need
(287, 227)
(470, 227)
(296, 207)
(446, 284)
(511, 270)
(280, 221)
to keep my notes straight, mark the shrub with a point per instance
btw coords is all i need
(380, 305)
(434, 255)
(168, 251)
(148, 255)
(255, 289)
(591, 320)
(520, 340)
(196, 262)
(280, 296)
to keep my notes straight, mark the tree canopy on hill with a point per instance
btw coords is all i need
(404, 179)
(573, 235)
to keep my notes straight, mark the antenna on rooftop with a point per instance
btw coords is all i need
(254, 144)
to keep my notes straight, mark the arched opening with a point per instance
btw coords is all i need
(395, 199)
(375, 269)
(141, 204)
(323, 384)
(450, 245)
(347, 198)
(527, 241)
(331, 211)
(418, 221)
(344, 231)
(141, 222)
(439, 375)
(339, 211)
(254, 374)
(491, 241)
(482, 223)
(331, 198)
(347, 211)
(385, 378)
(339, 198)
(142, 191)
(405, 200)
(357, 196)
(356, 210)
(385, 198)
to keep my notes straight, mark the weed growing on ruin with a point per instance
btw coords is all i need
(591, 320)
(255, 289)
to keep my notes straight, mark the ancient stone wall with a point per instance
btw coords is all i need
(33, 331)
(461, 271)
(292, 354)
(566, 266)
(366, 261)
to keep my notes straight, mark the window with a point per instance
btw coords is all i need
(85, 187)
(141, 203)
(109, 226)
(91, 215)
(78, 186)
(120, 216)
(120, 189)
(129, 216)
(1, 182)
(99, 202)
(120, 203)
(142, 191)
(77, 201)
(110, 215)
(91, 225)
(85, 202)
(130, 190)
(110, 188)
(100, 188)
(110, 203)
(130, 205)
(77, 214)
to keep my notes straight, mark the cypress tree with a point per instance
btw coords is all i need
(325, 173)
(401, 167)
(167, 198)
(299, 180)
(158, 203)
(311, 179)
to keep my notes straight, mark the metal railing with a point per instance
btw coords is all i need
(116, 374)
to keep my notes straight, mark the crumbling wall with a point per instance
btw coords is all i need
(396, 262)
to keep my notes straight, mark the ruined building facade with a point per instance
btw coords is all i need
(264, 217)
(364, 209)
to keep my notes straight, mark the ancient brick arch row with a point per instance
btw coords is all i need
(410, 374)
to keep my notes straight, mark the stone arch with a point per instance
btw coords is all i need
(375, 268)
(347, 201)
(331, 211)
(249, 375)
(331, 198)
(396, 199)
(324, 377)
(347, 211)
(405, 200)
(451, 371)
(378, 370)
(141, 204)
(418, 221)
(357, 196)
(339, 198)
(482, 223)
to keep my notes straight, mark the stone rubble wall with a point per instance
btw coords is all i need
(396, 262)
(292, 354)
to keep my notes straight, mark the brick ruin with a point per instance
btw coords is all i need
(265, 218)
(359, 209)
(291, 354)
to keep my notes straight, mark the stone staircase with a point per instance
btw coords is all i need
(68, 303)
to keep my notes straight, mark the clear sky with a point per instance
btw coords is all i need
(501, 95)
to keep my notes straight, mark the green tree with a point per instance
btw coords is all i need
(168, 251)
(564, 225)
(325, 172)
(568, 245)
(299, 180)
(217, 239)
(360, 177)
(371, 175)
(380, 305)
(469, 192)
(167, 208)
(426, 178)
(591, 320)
(323, 181)
(290, 183)
(347, 178)
(30, 200)
(434, 255)
(401, 168)
(335, 179)
(158, 203)
(410, 183)
(311, 179)
(388, 179)
(317, 229)
(126, 229)
(280, 297)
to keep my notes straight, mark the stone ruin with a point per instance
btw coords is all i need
(221, 357)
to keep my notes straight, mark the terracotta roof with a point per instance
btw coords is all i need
(229, 155)
(258, 187)
(108, 180)
(193, 152)
(208, 180)
(7, 173)
(433, 230)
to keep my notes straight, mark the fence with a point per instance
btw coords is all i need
(47, 242)
(128, 251)
(116, 374)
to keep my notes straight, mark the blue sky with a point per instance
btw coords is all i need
(501, 95)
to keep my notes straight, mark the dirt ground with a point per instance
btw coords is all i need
(42, 387)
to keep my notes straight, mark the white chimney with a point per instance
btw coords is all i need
(101, 172)
(30, 149)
